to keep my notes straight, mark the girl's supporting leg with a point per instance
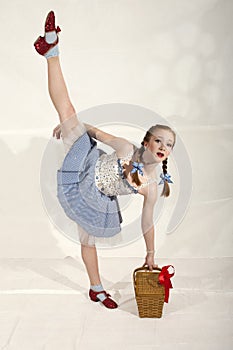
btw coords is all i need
(58, 90)
(90, 259)
(89, 255)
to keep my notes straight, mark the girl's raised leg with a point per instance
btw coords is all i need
(47, 46)
(58, 90)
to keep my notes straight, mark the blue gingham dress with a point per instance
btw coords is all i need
(99, 215)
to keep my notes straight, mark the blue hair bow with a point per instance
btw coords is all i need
(137, 167)
(164, 178)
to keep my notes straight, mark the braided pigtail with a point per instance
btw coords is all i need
(166, 188)
(134, 176)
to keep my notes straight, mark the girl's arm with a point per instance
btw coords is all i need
(92, 131)
(121, 145)
(147, 224)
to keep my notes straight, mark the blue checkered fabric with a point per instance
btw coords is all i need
(96, 213)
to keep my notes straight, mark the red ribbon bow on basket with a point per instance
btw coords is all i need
(164, 278)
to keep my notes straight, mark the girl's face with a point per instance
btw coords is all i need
(160, 144)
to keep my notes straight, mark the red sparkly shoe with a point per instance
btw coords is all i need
(50, 23)
(41, 46)
(108, 302)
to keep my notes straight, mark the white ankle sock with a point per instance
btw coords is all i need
(99, 288)
(52, 52)
(50, 37)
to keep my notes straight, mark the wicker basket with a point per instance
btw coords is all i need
(149, 292)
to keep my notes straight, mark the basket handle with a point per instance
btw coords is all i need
(143, 268)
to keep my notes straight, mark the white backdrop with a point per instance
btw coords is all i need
(172, 56)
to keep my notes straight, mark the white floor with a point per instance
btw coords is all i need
(44, 306)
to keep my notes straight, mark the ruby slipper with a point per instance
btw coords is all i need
(108, 302)
(41, 45)
(50, 23)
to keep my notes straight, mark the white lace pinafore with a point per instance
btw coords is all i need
(109, 176)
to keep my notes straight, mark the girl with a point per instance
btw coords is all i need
(90, 180)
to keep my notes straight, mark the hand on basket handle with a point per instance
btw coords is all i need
(149, 261)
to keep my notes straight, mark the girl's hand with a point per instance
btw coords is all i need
(149, 261)
(57, 132)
